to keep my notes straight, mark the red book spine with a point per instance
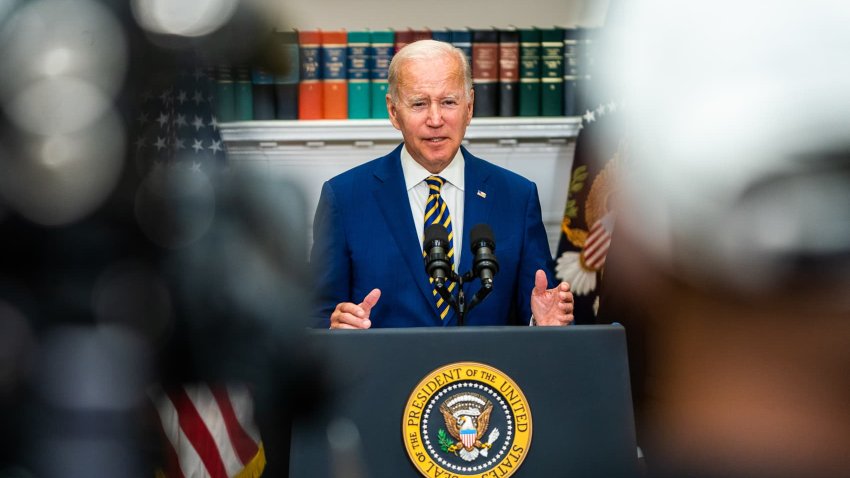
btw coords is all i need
(402, 38)
(310, 104)
(334, 84)
(421, 34)
(485, 72)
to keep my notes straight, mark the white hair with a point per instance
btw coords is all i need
(427, 50)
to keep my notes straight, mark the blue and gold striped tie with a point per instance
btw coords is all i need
(436, 212)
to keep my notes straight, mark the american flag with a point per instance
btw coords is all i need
(209, 432)
(176, 123)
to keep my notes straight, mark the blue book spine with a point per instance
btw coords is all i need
(462, 39)
(441, 35)
(262, 93)
(286, 79)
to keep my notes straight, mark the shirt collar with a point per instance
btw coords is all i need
(414, 173)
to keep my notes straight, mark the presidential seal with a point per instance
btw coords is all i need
(467, 419)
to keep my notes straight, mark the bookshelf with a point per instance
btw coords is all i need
(310, 152)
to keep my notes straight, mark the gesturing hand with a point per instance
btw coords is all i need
(551, 306)
(348, 315)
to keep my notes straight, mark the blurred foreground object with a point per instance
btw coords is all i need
(132, 260)
(733, 241)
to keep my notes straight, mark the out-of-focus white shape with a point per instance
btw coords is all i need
(569, 268)
(59, 179)
(175, 205)
(720, 95)
(57, 61)
(190, 18)
(80, 39)
(56, 106)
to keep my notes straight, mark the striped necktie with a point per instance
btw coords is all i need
(436, 212)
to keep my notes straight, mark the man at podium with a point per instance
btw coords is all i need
(371, 220)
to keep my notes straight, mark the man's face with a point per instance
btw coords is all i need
(432, 111)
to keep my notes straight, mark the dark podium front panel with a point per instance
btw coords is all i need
(575, 380)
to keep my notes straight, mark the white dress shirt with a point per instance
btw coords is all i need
(451, 192)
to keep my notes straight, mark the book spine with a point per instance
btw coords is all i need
(571, 71)
(485, 72)
(421, 34)
(552, 72)
(382, 53)
(359, 99)
(242, 94)
(443, 35)
(286, 80)
(262, 92)
(508, 73)
(309, 86)
(462, 40)
(529, 73)
(334, 81)
(225, 107)
(585, 68)
(402, 38)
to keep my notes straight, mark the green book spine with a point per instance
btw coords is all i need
(383, 44)
(552, 72)
(359, 88)
(243, 97)
(529, 72)
(225, 109)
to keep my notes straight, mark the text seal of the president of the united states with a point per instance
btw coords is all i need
(467, 419)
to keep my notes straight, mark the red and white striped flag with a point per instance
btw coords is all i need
(210, 432)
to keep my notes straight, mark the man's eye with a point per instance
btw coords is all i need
(449, 103)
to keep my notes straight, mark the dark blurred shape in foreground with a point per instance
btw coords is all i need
(134, 265)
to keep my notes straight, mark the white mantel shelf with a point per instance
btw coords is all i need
(271, 133)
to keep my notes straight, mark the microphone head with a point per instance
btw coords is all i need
(482, 233)
(436, 232)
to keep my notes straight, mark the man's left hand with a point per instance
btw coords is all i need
(551, 306)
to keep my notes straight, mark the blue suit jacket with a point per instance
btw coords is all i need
(364, 237)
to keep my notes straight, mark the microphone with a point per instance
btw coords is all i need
(484, 262)
(436, 247)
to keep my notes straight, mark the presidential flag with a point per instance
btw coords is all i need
(590, 213)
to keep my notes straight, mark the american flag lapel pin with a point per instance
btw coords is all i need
(482, 194)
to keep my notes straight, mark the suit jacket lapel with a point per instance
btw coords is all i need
(391, 196)
(478, 203)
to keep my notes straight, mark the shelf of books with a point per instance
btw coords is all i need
(340, 74)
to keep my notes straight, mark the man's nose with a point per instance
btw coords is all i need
(435, 114)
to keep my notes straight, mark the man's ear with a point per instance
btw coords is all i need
(391, 110)
(470, 106)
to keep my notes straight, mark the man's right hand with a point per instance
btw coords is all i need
(349, 315)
